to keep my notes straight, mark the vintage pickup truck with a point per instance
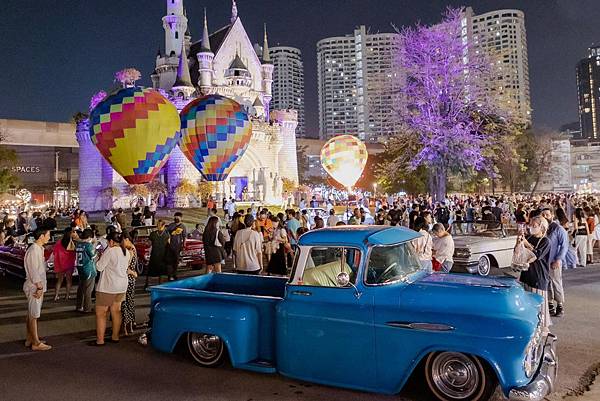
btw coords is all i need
(359, 311)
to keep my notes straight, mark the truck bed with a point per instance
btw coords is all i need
(227, 284)
(245, 303)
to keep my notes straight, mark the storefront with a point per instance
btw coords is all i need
(47, 164)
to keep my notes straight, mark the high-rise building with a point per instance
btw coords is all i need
(357, 80)
(500, 35)
(288, 82)
(588, 90)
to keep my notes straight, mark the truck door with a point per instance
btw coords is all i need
(326, 332)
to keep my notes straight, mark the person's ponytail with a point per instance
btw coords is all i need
(119, 239)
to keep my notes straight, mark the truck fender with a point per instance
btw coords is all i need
(236, 323)
(465, 349)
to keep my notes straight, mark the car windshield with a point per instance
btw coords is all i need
(489, 229)
(392, 263)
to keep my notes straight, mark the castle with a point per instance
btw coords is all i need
(223, 63)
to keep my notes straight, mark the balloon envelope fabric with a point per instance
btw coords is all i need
(135, 129)
(344, 158)
(215, 134)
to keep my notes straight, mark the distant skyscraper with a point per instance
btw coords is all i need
(502, 37)
(588, 90)
(288, 82)
(356, 85)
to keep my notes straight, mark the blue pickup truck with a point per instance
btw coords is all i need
(359, 312)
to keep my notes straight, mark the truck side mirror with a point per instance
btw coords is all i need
(343, 279)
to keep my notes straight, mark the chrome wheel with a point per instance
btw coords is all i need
(484, 265)
(206, 349)
(453, 376)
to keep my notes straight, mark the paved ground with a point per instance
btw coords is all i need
(128, 371)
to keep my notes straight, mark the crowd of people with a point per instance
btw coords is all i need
(560, 230)
(106, 265)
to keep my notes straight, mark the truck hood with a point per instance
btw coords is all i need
(472, 301)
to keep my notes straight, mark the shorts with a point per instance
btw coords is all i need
(34, 306)
(105, 299)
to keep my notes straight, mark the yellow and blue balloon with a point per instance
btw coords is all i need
(215, 134)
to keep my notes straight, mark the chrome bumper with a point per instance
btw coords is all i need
(469, 267)
(543, 381)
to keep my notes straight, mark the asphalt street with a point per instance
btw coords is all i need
(129, 371)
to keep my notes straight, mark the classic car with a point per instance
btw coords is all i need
(12, 256)
(482, 248)
(360, 312)
(192, 255)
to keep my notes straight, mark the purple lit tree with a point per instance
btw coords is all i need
(443, 106)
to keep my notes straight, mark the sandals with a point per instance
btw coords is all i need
(95, 344)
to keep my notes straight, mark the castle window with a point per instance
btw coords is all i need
(176, 35)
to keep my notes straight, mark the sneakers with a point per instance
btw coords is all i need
(559, 311)
(552, 309)
(41, 347)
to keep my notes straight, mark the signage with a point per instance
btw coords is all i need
(26, 169)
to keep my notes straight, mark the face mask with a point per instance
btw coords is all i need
(535, 230)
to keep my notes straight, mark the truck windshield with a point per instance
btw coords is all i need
(392, 263)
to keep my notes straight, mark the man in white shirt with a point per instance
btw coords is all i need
(247, 249)
(35, 286)
(332, 220)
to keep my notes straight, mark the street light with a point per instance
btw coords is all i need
(375, 189)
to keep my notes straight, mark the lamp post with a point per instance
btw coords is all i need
(375, 189)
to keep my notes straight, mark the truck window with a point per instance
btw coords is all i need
(391, 263)
(325, 263)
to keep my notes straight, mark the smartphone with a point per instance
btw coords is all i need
(521, 228)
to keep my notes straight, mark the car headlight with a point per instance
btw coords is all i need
(533, 350)
(462, 253)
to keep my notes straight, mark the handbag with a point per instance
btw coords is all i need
(522, 257)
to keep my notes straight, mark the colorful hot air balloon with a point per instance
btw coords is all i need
(344, 158)
(135, 130)
(215, 134)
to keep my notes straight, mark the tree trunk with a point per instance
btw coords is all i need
(438, 181)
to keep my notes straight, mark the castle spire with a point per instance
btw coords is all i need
(205, 45)
(183, 71)
(266, 57)
(234, 11)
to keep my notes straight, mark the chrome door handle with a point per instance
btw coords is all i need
(303, 293)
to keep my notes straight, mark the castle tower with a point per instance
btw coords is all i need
(205, 61)
(90, 161)
(288, 157)
(182, 90)
(267, 73)
(175, 25)
(187, 37)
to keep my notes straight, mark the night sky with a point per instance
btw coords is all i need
(57, 53)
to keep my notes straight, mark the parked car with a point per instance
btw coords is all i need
(12, 256)
(360, 312)
(486, 248)
(192, 255)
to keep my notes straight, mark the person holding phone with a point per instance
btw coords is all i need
(537, 277)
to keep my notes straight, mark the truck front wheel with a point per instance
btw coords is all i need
(207, 350)
(453, 376)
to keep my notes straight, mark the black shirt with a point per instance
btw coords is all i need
(537, 276)
(520, 216)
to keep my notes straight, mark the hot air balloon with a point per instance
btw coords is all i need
(344, 158)
(135, 129)
(215, 134)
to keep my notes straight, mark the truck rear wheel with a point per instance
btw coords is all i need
(207, 350)
(453, 376)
